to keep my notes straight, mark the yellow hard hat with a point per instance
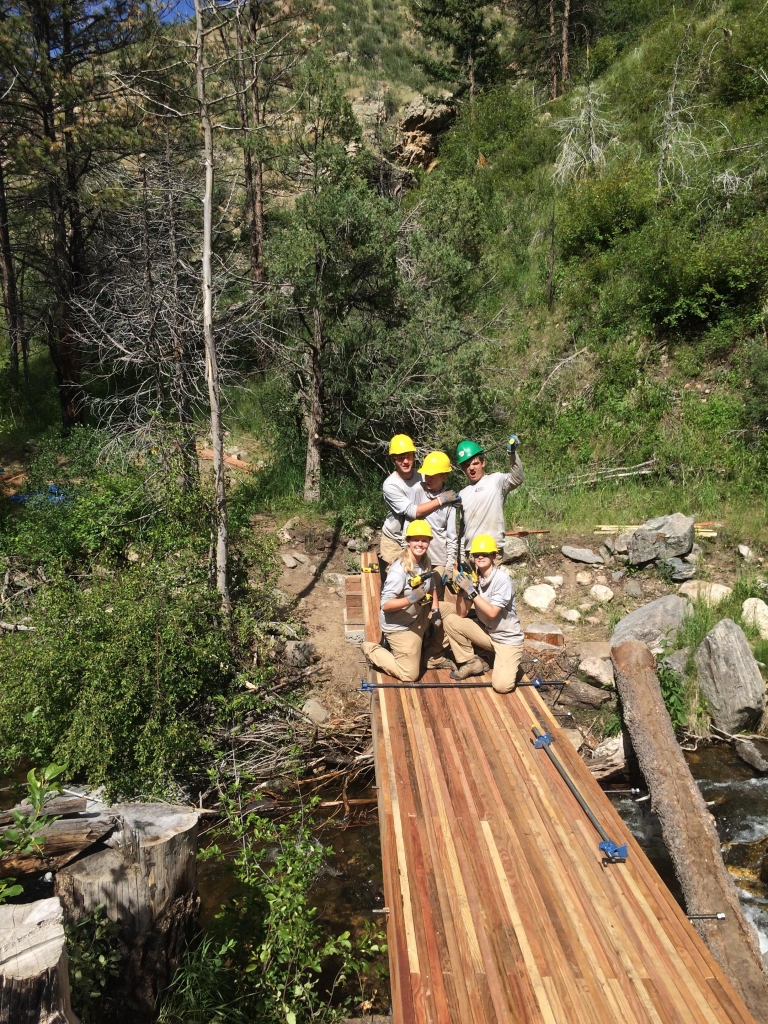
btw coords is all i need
(400, 444)
(434, 463)
(483, 544)
(418, 528)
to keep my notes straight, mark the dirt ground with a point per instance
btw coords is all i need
(321, 597)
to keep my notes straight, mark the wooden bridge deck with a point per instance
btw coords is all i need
(500, 909)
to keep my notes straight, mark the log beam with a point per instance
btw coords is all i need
(688, 827)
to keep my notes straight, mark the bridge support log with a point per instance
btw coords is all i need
(688, 827)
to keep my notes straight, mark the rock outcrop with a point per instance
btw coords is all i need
(652, 623)
(419, 130)
(729, 678)
(661, 538)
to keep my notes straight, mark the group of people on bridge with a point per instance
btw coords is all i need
(424, 550)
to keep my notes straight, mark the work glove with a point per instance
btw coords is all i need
(435, 618)
(466, 585)
(513, 443)
(419, 593)
(449, 498)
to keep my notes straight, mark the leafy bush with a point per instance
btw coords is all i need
(126, 673)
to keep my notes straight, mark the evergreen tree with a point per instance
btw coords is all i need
(466, 34)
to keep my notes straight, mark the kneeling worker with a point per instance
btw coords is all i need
(408, 600)
(497, 628)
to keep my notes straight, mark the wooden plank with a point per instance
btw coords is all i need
(501, 909)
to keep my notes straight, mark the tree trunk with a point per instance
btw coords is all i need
(565, 67)
(147, 882)
(688, 827)
(257, 238)
(34, 976)
(552, 52)
(211, 362)
(313, 411)
(471, 70)
(8, 280)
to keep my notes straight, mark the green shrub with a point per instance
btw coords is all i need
(126, 672)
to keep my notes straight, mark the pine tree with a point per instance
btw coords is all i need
(466, 35)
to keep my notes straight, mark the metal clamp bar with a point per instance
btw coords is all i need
(613, 854)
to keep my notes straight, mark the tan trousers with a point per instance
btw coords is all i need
(389, 550)
(403, 661)
(464, 635)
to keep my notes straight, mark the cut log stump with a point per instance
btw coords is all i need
(147, 880)
(688, 827)
(34, 979)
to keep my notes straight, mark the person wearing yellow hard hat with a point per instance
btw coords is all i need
(482, 500)
(402, 498)
(443, 547)
(408, 603)
(497, 628)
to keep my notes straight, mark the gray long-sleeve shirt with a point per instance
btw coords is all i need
(401, 499)
(443, 548)
(397, 585)
(483, 504)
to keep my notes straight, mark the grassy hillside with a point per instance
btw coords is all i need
(652, 178)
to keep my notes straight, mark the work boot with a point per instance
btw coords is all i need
(474, 667)
(441, 662)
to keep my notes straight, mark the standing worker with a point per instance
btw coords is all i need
(483, 498)
(408, 602)
(443, 548)
(401, 496)
(497, 627)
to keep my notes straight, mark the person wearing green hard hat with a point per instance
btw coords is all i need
(496, 627)
(444, 545)
(404, 499)
(482, 500)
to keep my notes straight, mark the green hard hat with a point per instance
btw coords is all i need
(467, 450)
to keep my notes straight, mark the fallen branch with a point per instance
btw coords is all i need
(559, 366)
(16, 627)
(596, 476)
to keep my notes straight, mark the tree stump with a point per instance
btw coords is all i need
(147, 880)
(688, 827)
(34, 978)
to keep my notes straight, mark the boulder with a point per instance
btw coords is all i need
(574, 737)
(554, 581)
(664, 537)
(676, 661)
(653, 622)
(581, 555)
(601, 593)
(621, 544)
(541, 597)
(711, 593)
(616, 577)
(729, 678)
(679, 570)
(288, 561)
(598, 670)
(694, 555)
(569, 614)
(584, 579)
(545, 633)
(315, 712)
(749, 752)
(595, 649)
(746, 552)
(635, 590)
(755, 613)
(515, 548)
(299, 653)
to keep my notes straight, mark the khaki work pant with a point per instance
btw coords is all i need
(389, 550)
(403, 661)
(464, 635)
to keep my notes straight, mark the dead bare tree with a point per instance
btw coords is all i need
(211, 356)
